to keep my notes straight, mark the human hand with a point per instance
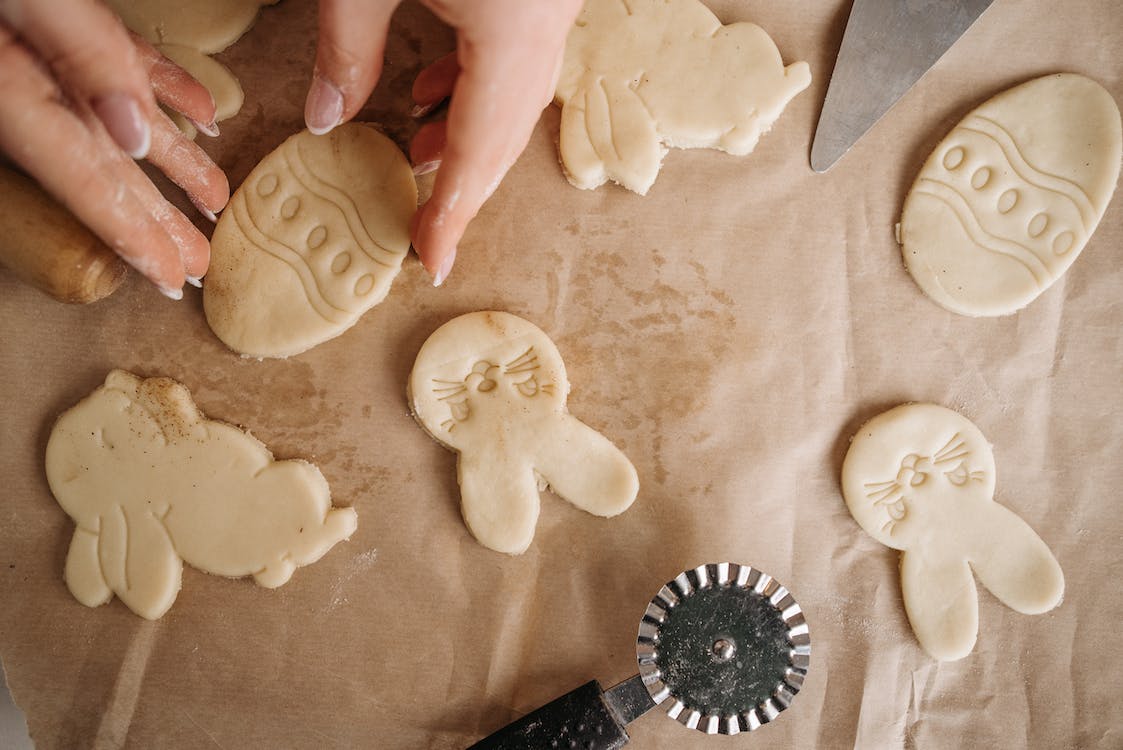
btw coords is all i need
(78, 103)
(502, 75)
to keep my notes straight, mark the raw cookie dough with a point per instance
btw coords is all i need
(492, 387)
(215, 77)
(209, 26)
(311, 240)
(1010, 197)
(187, 32)
(639, 74)
(151, 482)
(920, 478)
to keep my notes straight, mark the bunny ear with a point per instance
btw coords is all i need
(83, 571)
(138, 561)
(942, 603)
(607, 132)
(584, 467)
(1013, 562)
(499, 498)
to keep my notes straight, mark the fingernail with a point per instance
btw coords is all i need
(194, 281)
(210, 128)
(426, 167)
(203, 210)
(324, 107)
(176, 294)
(122, 116)
(445, 269)
(420, 110)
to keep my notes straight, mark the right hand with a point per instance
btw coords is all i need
(78, 104)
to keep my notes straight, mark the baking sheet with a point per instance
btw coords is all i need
(729, 332)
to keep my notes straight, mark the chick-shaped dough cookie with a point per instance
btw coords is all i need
(492, 387)
(639, 74)
(311, 240)
(920, 478)
(151, 482)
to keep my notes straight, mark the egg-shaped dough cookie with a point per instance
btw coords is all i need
(492, 387)
(1011, 196)
(311, 240)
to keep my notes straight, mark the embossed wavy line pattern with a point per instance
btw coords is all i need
(1028, 172)
(344, 203)
(286, 254)
(984, 239)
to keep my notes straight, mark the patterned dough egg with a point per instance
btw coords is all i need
(311, 240)
(1010, 197)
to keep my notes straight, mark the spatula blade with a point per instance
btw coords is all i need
(887, 46)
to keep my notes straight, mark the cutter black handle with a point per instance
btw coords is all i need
(579, 720)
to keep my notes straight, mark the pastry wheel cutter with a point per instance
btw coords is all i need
(722, 648)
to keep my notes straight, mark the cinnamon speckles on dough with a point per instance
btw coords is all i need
(920, 478)
(1011, 196)
(646, 74)
(151, 483)
(492, 387)
(312, 239)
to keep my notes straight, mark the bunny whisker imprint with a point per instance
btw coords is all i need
(939, 510)
(511, 428)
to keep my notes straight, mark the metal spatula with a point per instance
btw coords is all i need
(887, 46)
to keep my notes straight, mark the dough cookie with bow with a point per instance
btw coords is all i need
(492, 387)
(920, 478)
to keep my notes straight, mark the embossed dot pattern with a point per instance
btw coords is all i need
(341, 262)
(981, 178)
(290, 207)
(1063, 242)
(1038, 224)
(954, 157)
(317, 236)
(267, 184)
(364, 284)
(1007, 201)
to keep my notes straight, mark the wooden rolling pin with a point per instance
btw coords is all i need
(44, 245)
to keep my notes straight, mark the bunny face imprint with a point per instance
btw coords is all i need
(910, 476)
(920, 478)
(150, 483)
(493, 387)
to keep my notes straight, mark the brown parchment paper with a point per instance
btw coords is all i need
(729, 331)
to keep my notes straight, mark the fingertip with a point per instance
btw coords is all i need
(323, 109)
(124, 120)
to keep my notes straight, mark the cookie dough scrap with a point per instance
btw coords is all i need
(151, 483)
(920, 478)
(641, 75)
(492, 387)
(187, 32)
(1011, 196)
(310, 241)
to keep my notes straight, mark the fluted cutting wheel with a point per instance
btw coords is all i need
(723, 648)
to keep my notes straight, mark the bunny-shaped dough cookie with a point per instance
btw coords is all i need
(639, 74)
(151, 482)
(920, 478)
(492, 387)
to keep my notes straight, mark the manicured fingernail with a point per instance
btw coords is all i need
(210, 128)
(323, 109)
(194, 281)
(176, 294)
(426, 167)
(203, 209)
(445, 269)
(420, 110)
(123, 118)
